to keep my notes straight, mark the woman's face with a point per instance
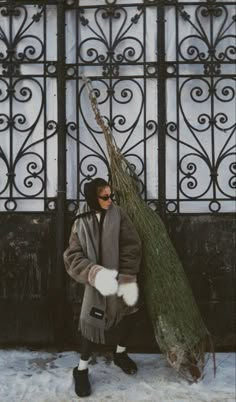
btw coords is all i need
(104, 197)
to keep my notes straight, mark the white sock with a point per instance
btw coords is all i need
(120, 349)
(83, 364)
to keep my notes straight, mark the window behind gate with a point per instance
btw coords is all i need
(164, 76)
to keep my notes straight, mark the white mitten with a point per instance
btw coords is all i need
(105, 281)
(129, 292)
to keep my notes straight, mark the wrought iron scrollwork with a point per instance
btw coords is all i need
(205, 135)
(32, 163)
(110, 42)
(22, 102)
(214, 47)
(120, 94)
(123, 48)
(111, 46)
(21, 46)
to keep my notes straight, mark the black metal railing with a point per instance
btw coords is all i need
(164, 76)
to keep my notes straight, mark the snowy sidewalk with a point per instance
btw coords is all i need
(37, 376)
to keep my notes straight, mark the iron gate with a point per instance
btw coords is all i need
(163, 72)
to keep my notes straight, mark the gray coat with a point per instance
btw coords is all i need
(120, 250)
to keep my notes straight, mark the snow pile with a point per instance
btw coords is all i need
(36, 376)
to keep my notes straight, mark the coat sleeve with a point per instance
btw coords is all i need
(76, 263)
(130, 247)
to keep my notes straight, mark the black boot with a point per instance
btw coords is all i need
(125, 363)
(82, 384)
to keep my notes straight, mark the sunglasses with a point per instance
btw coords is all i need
(106, 197)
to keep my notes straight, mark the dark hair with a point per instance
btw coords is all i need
(91, 190)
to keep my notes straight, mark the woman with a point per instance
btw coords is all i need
(104, 254)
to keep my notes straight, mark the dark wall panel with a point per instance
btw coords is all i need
(27, 250)
(206, 245)
(28, 303)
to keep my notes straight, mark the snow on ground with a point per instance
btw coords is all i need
(38, 376)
